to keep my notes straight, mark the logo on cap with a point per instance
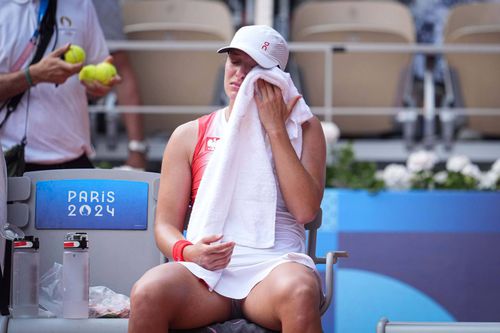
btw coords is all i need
(264, 46)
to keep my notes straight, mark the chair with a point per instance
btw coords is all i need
(39, 203)
(385, 326)
(177, 77)
(330, 259)
(475, 77)
(359, 79)
(44, 204)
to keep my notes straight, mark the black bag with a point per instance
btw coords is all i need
(14, 158)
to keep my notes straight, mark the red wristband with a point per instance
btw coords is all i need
(178, 249)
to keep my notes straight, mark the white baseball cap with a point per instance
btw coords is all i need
(264, 44)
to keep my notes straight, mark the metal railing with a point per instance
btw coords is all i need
(429, 111)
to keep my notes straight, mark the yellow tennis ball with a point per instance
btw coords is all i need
(74, 55)
(105, 72)
(88, 73)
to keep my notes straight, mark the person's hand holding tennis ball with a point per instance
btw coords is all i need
(103, 72)
(98, 79)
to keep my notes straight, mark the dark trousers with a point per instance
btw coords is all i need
(81, 162)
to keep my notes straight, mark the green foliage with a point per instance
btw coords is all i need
(103, 165)
(346, 172)
(458, 181)
(423, 180)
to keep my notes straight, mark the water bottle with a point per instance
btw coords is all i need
(76, 276)
(25, 280)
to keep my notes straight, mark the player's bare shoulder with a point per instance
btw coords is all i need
(186, 131)
(183, 140)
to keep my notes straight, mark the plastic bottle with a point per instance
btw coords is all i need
(25, 279)
(76, 276)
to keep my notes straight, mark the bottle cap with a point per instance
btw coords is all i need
(76, 240)
(27, 242)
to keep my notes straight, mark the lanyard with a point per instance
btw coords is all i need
(41, 13)
(28, 50)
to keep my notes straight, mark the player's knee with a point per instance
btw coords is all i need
(152, 291)
(143, 293)
(301, 290)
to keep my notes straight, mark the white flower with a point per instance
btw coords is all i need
(396, 177)
(496, 167)
(421, 161)
(488, 180)
(457, 163)
(472, 170)
(441, 177)
(331, 131)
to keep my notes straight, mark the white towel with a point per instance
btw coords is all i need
(237, 194)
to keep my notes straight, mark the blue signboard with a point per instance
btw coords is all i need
(91, 204)
(413, 256)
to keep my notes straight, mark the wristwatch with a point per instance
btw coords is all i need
(138, 146)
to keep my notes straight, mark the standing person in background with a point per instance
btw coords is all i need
(109, 13)
(430, 18)
(52, 116)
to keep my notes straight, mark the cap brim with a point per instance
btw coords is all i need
(259, 58)
(224, 49)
